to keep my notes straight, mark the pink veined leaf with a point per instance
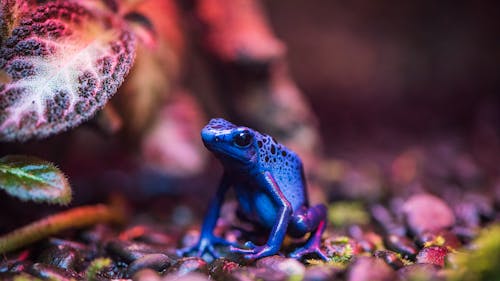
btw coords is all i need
(60, 62)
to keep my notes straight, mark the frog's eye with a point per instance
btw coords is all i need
(243, 139)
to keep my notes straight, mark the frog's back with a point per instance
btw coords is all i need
(285, 167)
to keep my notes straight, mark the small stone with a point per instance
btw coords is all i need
(465, 234)
(402, 245)
(384, 218)
(261, 273)
(61, 256)
(290, 267)
(341, 247)
(320, 273)
(432, 255)
(146, 274)
(20, 266)
(390, 257)
(425, 212)
(474, 209)
(442, 238)
(221, 269)
(187, 265)
(368, 269)
(192, 276)
(157, 262)
(418, 271)
(129, 251)
(366, 246)
(51, 272)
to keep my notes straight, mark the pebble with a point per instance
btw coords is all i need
(418, 271)
(129, 251)
(17, 266)
(253, 273)
(50, 272)
(426, 212)
(292, 268)
(465, 234)
(158, 262)
(184, 266)
(146, 274)
(369, 269)
(192, 276)
(61, 256)
(320, 273)
(474, 209)
(383, 217)
(433, 255)
(442, 238)
(402, 245)
(221, 269)
(389, 257)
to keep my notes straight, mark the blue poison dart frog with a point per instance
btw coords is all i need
(270, 188)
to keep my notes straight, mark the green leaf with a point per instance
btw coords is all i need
(30, 178)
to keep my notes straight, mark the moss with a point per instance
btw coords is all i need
(96, 266)
(344, 213)
(481, 262)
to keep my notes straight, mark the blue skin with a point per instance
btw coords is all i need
(269, 182)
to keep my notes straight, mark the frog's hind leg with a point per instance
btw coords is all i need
(306, 220)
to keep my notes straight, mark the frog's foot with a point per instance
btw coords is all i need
(253, 251)
(205, 245)
(313, 245)
(306, 250)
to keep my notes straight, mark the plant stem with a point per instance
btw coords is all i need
(73, 218)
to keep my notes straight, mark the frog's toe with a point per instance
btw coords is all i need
(234, 249)
(250, 245)
(211, 250)
(299, 253)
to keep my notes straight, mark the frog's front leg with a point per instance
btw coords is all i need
(305, 220)
(207, 239)
(278, 231)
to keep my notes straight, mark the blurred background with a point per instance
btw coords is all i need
(416, 68)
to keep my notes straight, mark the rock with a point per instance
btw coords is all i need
(425, 212)
(158, 262)
(341, 247)
(369, 269)
(146, 274)
(418, 271)
(129, 251)
(50, 272)
(290, 267)
(473, 209)
(61, 256)
(320, 273)
(221, 269)
(402, 245)
(465, 234)
(389, 257)
(192, 276)
(433, 255)
(384, 219)
(442, 238)
(187, 265)
(17, 266)
(261, 273)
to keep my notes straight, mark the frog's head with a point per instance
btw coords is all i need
(231, 144)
